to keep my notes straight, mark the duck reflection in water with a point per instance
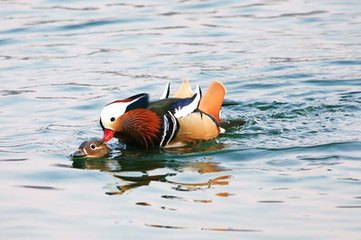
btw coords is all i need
(179, 186)
(137, 162)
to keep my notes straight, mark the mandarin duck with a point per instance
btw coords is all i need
(168, 122)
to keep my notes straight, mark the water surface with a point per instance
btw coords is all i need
(292, 69)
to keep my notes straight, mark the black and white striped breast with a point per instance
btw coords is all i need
(170, 128)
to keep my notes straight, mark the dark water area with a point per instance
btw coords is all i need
(293, 73)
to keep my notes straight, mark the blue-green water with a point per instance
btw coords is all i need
(293, 68)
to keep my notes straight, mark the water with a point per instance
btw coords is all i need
(293, 68)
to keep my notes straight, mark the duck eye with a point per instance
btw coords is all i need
(112, 119)
(93, 146)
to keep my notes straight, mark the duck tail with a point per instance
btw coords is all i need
(211, 102)
(184, 90)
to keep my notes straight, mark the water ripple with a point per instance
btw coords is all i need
(100, 22)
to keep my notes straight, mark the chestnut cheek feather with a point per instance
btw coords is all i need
(142, 125)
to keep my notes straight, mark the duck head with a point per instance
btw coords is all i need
(129, 120)
(94, 148)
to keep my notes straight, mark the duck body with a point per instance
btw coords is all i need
(195, 126)
(169, 122)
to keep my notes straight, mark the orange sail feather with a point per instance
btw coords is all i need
(211, 102)
(184, 91)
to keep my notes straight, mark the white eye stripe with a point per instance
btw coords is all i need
(111, 111)
(114, 110)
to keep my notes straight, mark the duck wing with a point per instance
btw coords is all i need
(178, 107)
(186, 106)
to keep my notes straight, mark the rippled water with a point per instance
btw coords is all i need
(293, 72)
